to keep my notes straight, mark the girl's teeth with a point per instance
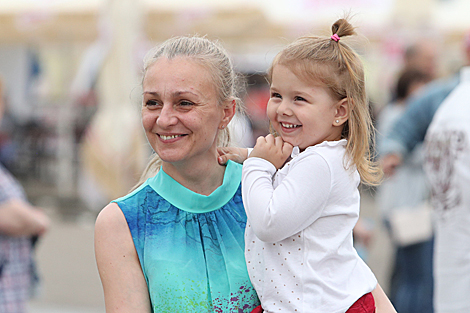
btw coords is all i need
(288, 125)
(169, 137)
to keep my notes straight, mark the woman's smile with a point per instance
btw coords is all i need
(170, 138)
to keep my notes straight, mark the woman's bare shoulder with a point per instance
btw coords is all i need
(112, 231)
(111, 217)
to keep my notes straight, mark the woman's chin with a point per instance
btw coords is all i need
(170, 157)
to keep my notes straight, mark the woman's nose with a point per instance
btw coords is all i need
(167, 117)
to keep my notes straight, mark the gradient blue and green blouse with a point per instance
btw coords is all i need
(191, 246)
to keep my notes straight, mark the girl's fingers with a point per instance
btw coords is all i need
(278, 141)
(287, 148)
(222, 150)
(270, 139)
(260, 140)
(223, 159)
(235, 154)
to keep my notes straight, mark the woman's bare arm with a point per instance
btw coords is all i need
(124, 285)
(382, 303)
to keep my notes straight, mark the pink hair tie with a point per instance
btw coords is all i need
(335, 37)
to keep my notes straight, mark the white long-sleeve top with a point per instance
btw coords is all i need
(299, 247)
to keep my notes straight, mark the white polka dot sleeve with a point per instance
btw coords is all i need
(276, 213)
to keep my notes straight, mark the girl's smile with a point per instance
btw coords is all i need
(287, 125)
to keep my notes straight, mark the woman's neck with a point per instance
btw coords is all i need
(200, 177)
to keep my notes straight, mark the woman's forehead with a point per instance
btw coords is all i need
(177, 69)
(178, 77)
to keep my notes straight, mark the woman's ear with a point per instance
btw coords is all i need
(229, 113)
(342, 112)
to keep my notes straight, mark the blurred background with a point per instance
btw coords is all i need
(71, 68)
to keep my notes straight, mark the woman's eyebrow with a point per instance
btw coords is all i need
(179, 93)
(176, 93)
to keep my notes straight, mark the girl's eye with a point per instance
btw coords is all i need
(299, 99)
(276, 95)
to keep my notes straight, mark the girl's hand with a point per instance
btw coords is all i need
(238, 155)
(272, 149)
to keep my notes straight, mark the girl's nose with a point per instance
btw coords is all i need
(167, 116)
(284, 108)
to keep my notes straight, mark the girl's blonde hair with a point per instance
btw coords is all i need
(212, 56)
(335, 65)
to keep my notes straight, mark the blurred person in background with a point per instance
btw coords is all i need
(411, 287)
(21, 224)
(408, 131)
(421, 56)
(448, 170)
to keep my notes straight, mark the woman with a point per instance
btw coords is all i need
(176, 243)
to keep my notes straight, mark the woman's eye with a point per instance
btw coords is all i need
(275, 95)
(151, 103)
(185, 103)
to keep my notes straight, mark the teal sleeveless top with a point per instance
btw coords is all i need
(191, 246)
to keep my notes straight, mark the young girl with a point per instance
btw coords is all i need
(301, 213)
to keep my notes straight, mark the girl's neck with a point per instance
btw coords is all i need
(199, 177)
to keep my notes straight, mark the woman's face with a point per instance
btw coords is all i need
(180, 112)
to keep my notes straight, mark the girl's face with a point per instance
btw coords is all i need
(180, 112)
(303, 114)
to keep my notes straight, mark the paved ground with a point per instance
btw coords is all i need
(54, 308)
(70, 279)
(67, 266)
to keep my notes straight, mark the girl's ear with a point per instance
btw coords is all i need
(229, 113)
(342, 112)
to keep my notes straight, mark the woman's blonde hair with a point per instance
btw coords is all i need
(215, 58)
(334, 64)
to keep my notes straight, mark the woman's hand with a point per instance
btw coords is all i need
(272, 149)
(235, 154)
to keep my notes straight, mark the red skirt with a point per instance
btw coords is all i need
(365, 304)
